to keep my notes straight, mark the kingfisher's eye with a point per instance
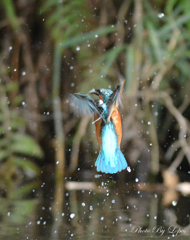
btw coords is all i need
(100, 102)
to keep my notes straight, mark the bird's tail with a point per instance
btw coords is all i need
(110, 163)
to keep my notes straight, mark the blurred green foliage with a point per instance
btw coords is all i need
(17, 149)
(14, 214)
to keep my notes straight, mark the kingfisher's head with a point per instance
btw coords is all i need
(102, 93)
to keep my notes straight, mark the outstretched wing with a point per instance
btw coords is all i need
(83, 104)
(115, 99)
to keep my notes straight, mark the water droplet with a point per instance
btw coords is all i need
(102, 218)
(83, 204)
(136, 179)
(8, 214)
(160, 15)
(72, 215)
(113, 200)
(149, 123)
(38, 222)
(174, 203)
(78, 48)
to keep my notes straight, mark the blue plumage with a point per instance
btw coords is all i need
(110, 159)
(108, 125)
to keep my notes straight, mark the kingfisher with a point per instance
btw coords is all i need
(107, 120)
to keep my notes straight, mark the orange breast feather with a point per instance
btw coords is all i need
(98, 128)
(116, 118)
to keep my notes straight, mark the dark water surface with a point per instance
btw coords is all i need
(105, 210)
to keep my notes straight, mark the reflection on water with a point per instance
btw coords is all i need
(105, 210)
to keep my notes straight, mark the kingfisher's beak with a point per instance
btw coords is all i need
(94, 91)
